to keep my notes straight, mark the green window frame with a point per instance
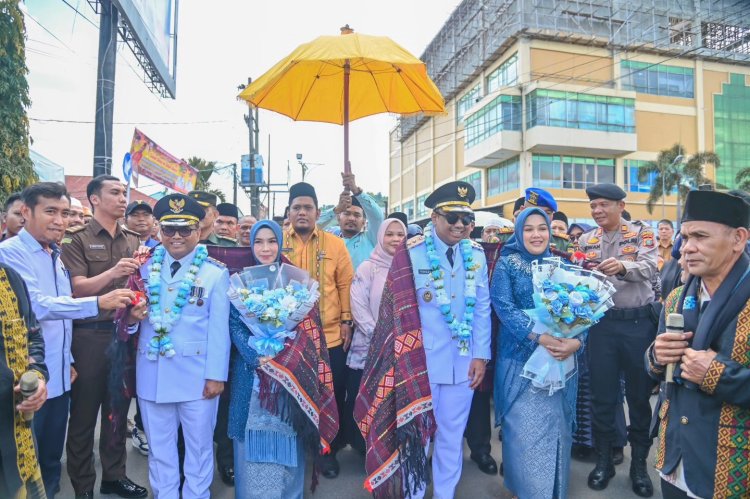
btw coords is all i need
(583, 111)
(505, 75)
(502, 113)
(467, 101)
(658, 79)
(422, 210)
(570, 172)
(503, 177)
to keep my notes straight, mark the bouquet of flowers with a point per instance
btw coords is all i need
(272, 299)
(567, 300)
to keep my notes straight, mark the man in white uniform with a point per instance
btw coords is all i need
(183, 350)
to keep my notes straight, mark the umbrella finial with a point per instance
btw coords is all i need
(346, 30)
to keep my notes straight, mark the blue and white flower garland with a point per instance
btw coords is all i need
(161, 344)
(461, 330)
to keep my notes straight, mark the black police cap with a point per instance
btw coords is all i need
(605, 191)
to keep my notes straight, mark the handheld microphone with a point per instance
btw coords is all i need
(29, 384)
(675, 324)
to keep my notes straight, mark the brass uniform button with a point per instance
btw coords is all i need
(684, 420)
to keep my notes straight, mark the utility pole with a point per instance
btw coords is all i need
(105, 88)
(234, 184)
(251, 120)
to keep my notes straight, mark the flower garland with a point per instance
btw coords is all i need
(460, 330)
(161, 344)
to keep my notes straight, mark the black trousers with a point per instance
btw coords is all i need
(618, 345)
(478, 428)
(224, 448)
(353, 435)
(337, 356)
(669, 491)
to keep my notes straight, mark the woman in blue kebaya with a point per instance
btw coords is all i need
(537, 426)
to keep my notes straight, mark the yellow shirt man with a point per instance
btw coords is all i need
(327, 260)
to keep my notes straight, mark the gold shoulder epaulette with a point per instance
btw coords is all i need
(216, 262)
(506, 230)
(414, 241)
(477, 245)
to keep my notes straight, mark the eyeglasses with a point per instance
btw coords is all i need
(453, 218)
(171, 231)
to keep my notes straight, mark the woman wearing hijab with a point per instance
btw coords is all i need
(366, 292)
(537, 426)
(271, 424)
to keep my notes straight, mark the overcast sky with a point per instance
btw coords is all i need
(220, 44)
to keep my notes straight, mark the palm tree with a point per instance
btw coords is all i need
(205, 170)
(672, 174)
(743, 179)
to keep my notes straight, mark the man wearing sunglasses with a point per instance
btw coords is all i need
(181, 385)
(453, 374)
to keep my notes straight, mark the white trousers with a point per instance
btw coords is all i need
(450, 405)
(198, 419)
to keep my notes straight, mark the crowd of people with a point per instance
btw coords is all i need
(416, 331)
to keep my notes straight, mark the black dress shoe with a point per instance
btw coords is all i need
(123, 488)
(227, 476)
(486, 463)
(329, 466)
(89, 494)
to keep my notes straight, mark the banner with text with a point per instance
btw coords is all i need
(150, 160)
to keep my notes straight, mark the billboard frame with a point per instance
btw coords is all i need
(156, 75)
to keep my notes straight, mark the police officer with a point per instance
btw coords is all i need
(538, 198)
(99, 257)
(208, 235)
(626, 253)
(181, 384)
(453, 375)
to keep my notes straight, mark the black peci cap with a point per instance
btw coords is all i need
(302, 189)
(713, 206)
(401, 216)
(228, 210)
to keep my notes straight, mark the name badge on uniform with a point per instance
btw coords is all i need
(424, 271)
(196, 295)
(97, 246)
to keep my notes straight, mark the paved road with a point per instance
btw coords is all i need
(474, 484)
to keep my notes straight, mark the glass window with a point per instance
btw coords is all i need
(502, 113)
(475, 179)
(732, 129)
(575, 110)
(505, 75)
(570, 172)
(657, 79)
(466, 102)
(503, 177)
(409, 210)
(421, 208)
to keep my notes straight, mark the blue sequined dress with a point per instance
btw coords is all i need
(537, 427)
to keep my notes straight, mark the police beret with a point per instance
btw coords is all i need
(302, 189)
(605, 191)
(719, 207)
(204, 198)
(138, 205)
(453, 196)
(541, 198)
(178, 210)
(228, 210)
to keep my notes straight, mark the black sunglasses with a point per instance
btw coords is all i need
(171, 231)
(453, 218)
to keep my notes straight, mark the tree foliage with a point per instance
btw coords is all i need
(16, 169)
(682, 176)
(205, 170)
(743, 179)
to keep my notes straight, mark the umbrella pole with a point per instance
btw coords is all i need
(347, 165)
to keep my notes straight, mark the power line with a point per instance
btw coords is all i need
(80, 14)
(89, 122)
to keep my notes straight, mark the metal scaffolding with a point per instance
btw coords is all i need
(479, 31)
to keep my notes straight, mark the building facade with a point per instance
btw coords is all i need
(564, 94)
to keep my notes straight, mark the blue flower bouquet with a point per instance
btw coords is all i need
(567, 301)
(272, 300)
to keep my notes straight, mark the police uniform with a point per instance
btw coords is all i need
(617, 342)
(87, 251)
(447, 369)
(536, 197)
(170, 389)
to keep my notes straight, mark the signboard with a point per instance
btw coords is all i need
(150, 160)
(149, 27)
(251, 176)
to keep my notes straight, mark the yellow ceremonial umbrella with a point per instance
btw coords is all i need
(337, 79)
